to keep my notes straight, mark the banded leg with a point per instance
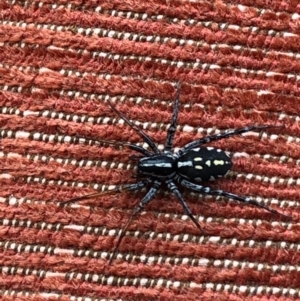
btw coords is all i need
(172, 128)
(224, 135)
(134, 147)
(147, 199)
(174, 189)
(126, 187)
(146, 138)
(207, 190)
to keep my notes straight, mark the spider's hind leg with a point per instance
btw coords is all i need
(247, 200)
(224, 135)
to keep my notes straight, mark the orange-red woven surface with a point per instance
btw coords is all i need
(60, 61)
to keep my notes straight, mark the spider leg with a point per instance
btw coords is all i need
(172, 128)
(147, 198)
(135, 157)
(146, 138)
(116, 143)
(126, 187)
(220, 136)
(172, 186)
(208, 190)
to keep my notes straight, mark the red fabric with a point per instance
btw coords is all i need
(59, 63)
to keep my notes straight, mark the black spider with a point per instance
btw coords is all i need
(189, 165)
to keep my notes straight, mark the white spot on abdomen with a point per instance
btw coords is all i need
(218, 162)
(208, 163)
(198, 159)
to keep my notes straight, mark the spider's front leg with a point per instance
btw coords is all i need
(125, 187)
(207, 190)
(172, 128)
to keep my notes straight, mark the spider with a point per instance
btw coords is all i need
(187, 167)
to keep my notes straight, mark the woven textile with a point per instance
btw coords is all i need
(60, 61)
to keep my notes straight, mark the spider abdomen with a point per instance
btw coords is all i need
(203, 164)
